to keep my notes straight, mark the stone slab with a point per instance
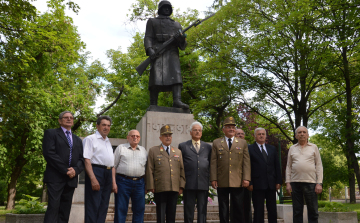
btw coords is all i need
(24, 218)
(151, 123)
(285, 212)
(77, 213)
(338, 217)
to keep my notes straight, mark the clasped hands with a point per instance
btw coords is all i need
(71, 172)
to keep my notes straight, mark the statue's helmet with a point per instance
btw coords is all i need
(163, 3)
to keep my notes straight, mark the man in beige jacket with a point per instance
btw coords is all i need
(165, 176)
(230, 171)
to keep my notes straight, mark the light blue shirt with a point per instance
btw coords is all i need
(71, 139)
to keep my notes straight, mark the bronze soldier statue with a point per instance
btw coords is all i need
(165, 72)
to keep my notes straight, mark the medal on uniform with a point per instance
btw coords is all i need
(173, 150)
(220, 157)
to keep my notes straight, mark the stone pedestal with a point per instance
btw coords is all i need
(150, 125)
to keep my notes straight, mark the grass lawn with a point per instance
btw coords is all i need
(3, 211)
(354, 207)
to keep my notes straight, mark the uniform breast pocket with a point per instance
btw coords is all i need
(239, 154)
(176, 162)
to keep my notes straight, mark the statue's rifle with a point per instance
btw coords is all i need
(142, 67)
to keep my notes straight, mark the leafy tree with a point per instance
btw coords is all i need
(280, 61)
(39, 79)
(337, 24)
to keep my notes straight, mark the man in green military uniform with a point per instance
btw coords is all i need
(165, 176)
(230, 172)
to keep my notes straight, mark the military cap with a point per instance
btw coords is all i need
(165, 130)
(229, 121)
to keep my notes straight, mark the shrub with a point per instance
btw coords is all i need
(30, 205)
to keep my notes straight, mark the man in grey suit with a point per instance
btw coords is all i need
(196, 157)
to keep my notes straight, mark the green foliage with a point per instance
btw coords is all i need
(334, 162)
(42, 73)
(30, 205)
(333, 207)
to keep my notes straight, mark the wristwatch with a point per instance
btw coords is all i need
(320, 184)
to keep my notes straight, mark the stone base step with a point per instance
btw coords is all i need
(151, 208)
(208, 221)
(150, 214)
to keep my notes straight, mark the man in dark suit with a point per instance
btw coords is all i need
(230, 172)
(265, 177)
(63, 152)
(196, 158)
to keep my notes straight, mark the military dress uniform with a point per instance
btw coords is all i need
(165, 174)
(229, 167)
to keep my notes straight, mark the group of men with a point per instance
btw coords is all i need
(237, 171)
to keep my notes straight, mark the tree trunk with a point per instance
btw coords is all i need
(349, 128)
(352, 188)
(20, 161)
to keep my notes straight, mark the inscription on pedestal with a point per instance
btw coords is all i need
(150, 125)
(176, 129)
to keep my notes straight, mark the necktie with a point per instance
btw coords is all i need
(167, 150)
(263, 153)
(70, 144)
(230, 143)
(197, 147)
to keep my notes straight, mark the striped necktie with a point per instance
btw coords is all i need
(71, 146)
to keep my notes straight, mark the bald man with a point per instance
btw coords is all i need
(239, 133)
(130, 163)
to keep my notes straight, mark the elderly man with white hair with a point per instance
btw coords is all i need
(196, 157)
(304, 176)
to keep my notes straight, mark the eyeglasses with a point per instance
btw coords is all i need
(135, 136)
(230, 127)
(195, 130)
(68, 117)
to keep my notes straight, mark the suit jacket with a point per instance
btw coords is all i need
(264, 174)
(197, 166)
(56, 151)
(229, 167)
(164, 172)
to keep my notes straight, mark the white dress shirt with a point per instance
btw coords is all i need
(227, 141)
(130, 162)
(264, 147)
(98, 150)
